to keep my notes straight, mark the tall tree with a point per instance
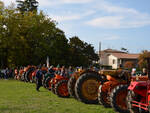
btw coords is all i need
(82, 53)
(27, 5)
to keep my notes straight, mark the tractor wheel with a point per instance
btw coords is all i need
(46, 83)
(133, 97)
(61, 89)
(103, 97)
(27, 75)
(86, 88)
(23, 76)
(118, 98)
(71, 86)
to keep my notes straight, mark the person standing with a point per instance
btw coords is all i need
(63, 71)
(39, 76)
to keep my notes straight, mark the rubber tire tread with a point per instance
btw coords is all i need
(71, 86)
(100, 98)
(57, 86)
(27, 79)
(130, 98)
(113, 96)
(78, 86)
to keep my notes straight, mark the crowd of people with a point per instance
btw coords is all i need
(6, 73)
(134, 72)
(64, 72)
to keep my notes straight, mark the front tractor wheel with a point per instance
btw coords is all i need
(134, 97)
(61, 89)
(118, 99)
(103, 97)
(86, 88)
(71, 85)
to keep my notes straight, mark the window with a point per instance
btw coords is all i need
(113, 61)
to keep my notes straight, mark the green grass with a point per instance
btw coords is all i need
(20, 97)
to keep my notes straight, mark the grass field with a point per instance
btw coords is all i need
(20, 97)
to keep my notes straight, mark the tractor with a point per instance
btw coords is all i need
(58, 85)
(48, 76)
(108, 87)
(113, 92)
(138, 97)
(83, 85)
(113, 80)
(30, 75)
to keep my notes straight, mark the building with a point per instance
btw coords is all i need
(116, 59)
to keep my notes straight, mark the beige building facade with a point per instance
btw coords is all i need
(116, 59)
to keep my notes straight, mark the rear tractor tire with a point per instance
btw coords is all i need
(86, 88)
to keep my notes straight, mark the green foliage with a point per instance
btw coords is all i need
(142, 59)
(82, 53)
(31, 37)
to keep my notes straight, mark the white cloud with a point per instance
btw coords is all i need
(44, 3)
(65, 18)
(108, 15)
(107, 7)
(106, 22)
(69, 16)
(116, 22)
(76, 1)
(118, 17)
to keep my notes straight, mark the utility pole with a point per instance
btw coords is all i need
(100, 52)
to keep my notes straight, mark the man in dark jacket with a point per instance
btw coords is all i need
(39, 76)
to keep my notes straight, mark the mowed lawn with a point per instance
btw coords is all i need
(20, 97)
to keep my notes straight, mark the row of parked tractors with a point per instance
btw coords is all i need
(116, 89)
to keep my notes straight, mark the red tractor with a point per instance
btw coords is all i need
(138, 97)
(58, 85)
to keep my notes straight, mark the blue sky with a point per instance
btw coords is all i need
(115, 23)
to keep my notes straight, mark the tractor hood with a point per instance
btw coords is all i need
(136, 84)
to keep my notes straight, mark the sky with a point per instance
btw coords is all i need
(114, 23)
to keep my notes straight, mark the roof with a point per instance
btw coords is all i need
(112, 51)
(125, 55)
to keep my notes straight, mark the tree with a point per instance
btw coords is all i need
(142, 59)
(31, 37)
(124, 49)
(82, 53)
(27, 5)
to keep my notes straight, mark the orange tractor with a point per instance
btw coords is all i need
(83, 85)
(58, 85)
(31, 73)
(113, 92)
(109, 88)
(108, 97)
